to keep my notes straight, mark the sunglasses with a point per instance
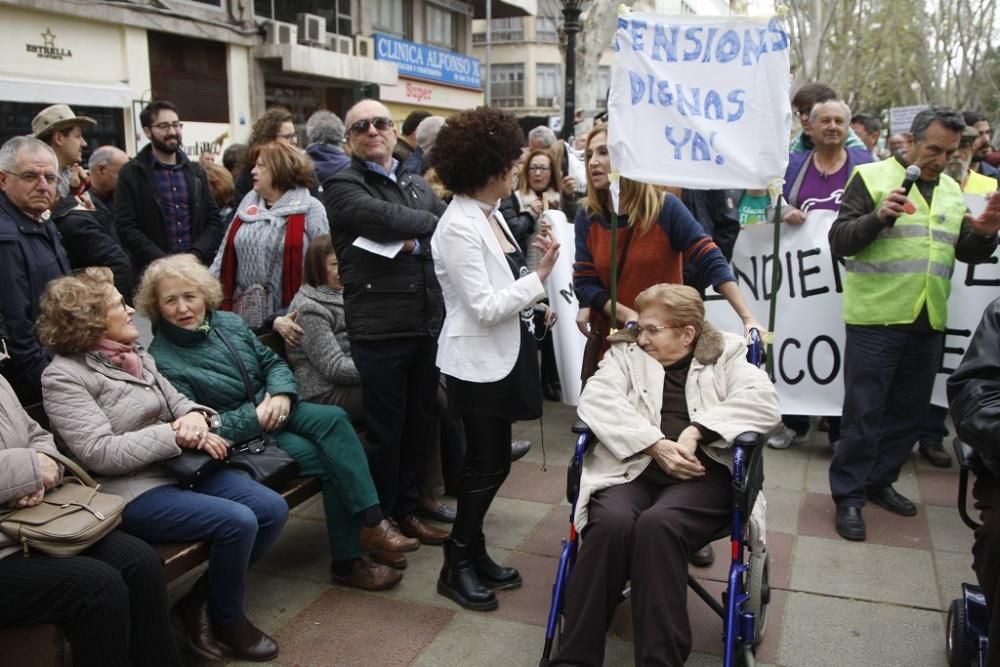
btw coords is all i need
(381, 123)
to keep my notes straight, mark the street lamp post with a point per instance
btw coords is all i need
(571, 26)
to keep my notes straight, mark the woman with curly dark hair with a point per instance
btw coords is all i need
(485, 349)
(275, 124)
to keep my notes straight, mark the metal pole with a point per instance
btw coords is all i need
(489, 47)
(571, 26)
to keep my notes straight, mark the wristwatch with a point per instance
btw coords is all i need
(213, 421)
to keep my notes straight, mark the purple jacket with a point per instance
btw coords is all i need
(799, 161)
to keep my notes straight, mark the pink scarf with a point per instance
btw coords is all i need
(121, 355)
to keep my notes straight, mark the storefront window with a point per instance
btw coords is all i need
(547, 85)
(440, 27)
(390, 17)
(15, 120)
(546, 29)
(507, 85)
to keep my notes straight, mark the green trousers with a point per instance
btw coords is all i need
(322, 439)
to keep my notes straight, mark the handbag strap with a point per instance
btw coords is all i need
(251, 396)
(73, 467)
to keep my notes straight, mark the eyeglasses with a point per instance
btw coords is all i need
(539, 167)
(651, 329)
(288, 136)
(163, 127)
(33, 176)
(381, 123)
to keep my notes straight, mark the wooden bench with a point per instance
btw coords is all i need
(45, 645)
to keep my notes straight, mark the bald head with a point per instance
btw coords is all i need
(372, 144)
(104, 166)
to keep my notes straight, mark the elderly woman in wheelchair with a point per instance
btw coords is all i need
(670, 397)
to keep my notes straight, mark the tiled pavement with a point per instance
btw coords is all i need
(834, 603)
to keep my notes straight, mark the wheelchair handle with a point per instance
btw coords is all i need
(755, 347)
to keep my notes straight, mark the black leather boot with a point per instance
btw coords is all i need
(192, 610)
(494, 576)
(246, 641)
(458, 580)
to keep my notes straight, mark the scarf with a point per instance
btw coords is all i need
(121, 355)
(291, 267)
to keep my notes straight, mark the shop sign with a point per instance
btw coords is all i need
(48, 49)
(427, 62)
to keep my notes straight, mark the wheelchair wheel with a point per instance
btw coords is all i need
(957, 647)
(759, 589)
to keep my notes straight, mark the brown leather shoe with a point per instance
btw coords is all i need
(412, 526)
(386, 537)
(369, 576)
(246, 641)
(192, 610)
(393, 559)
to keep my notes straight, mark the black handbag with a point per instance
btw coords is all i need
(260, 457)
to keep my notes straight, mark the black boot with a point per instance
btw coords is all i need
(458, 580)
(494, 576)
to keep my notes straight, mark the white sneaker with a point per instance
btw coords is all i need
(785, 437)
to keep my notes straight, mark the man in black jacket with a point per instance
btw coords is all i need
(89, 236)
(974, 401)
(381, 227)
(163, 204)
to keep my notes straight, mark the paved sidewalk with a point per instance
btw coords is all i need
(834, 603)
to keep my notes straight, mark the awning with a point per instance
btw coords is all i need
(504, 9)
(298, 59)
(15, 89)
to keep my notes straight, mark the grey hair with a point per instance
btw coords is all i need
(948, 117)
(10, 150)
(843, 106)
(325, 127)
(544, 133)
(103, 155)
(428, 130)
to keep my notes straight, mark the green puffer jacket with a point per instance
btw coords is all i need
(200, 366)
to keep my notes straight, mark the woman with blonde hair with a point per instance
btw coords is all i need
(121, 418)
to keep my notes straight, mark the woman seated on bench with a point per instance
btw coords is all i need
(115, 412)
(111, 599)
(192, 349)
(666, 404)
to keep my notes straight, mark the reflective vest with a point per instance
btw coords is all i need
(909, 265)
(979, 184)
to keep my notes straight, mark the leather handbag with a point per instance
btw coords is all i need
(71, 517)
(260, 457)
(192, 466)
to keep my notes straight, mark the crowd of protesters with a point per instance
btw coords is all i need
(403, 268)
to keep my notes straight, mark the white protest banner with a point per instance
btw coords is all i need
(809, 326)
(700, 101)
(568, 340)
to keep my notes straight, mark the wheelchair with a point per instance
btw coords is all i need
(967, 627)
(743, 608)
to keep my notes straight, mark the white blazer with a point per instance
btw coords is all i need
(480, 338)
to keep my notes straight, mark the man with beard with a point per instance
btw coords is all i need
(163, 204)
(900, 249)
(981, 148)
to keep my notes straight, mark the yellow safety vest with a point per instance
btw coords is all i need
(909, 265)
(979, 184)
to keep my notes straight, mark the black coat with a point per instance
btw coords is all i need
(974, 391)
(139, 214)
(90, 239)
(30, 256)
(385, 298)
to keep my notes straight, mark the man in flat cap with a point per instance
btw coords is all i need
(62, 129)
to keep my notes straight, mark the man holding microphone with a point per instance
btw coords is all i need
(900, 245)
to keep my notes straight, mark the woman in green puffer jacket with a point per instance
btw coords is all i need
(181, 297)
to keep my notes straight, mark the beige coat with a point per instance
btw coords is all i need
(20, 438)
(621, 404)
(117, 425)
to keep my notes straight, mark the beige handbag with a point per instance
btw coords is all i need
(70, 518)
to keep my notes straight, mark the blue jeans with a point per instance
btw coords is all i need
(238, 517)
(888, 379)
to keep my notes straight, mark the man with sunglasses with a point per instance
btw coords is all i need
(381, 223)
(163, 204)
(30, 255)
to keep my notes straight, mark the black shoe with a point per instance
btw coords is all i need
(518, 448)
(550, 391)
(892, 500)
(703, 557)
(192, 611)
(432, 509)
(850, 525)
(494, 576)
(458, 580)
(246, 641)
(935, 453)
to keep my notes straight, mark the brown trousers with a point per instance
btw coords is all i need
(644, 531)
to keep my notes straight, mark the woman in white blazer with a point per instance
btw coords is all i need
(485, 349)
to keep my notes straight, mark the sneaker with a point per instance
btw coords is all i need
(785, 438)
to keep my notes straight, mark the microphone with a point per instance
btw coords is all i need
(912, 176)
